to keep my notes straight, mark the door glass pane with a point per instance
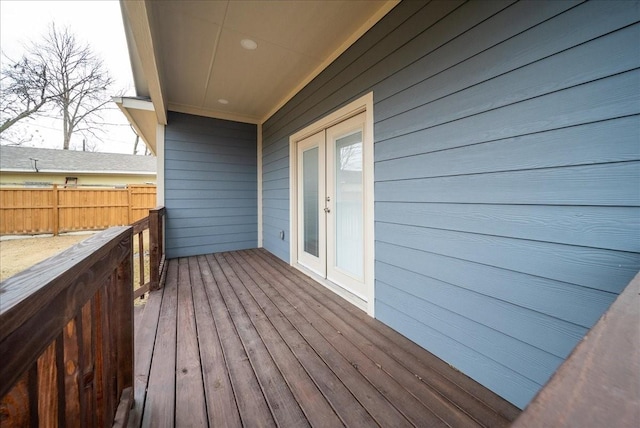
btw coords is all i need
(349, 226)
(310, 200)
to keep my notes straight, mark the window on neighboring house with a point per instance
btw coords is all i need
(71, 182)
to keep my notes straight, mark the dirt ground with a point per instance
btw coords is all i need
(17, 255)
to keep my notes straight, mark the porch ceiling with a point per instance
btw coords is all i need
(187, 55)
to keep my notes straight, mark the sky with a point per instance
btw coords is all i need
(95, 22)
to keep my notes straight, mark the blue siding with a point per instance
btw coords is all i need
(210, 185)
(507, 175)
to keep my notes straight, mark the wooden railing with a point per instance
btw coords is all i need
(599, 384)
(154, 222)
(66, 337)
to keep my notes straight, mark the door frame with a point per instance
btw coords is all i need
(360, 105)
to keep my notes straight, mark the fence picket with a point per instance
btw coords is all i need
(57, 210)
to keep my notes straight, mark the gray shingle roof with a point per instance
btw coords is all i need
(18, 159)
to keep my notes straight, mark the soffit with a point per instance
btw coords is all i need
(200, 59)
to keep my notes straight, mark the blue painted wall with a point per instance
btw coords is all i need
(210, 185)
(507, 175)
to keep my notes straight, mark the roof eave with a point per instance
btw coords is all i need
(142, 53)
(142, 116)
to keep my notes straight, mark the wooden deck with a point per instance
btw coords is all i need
(242, 339)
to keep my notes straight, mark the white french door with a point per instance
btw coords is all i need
(331, 205)
(311, 200)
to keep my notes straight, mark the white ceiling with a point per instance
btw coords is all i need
(198, 59)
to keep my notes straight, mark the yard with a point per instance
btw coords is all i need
(17, 255)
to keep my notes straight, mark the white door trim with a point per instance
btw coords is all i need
(362, 104)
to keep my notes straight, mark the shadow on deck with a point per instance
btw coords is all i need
(243, 339)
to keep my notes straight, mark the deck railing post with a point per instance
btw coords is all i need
(155, 247)
(123, 315)
(66, 341)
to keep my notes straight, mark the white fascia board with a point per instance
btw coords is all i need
(68, 172)
(126, 105)
(134, 103)
(136, 17)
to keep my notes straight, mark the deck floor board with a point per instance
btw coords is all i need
(191, 409)
(243, 339)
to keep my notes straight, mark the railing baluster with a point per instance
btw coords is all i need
(154, 250)
(123, 316)
(72, 370)
(48, 385)
(99, 381)
(88, 367)
(66, 342)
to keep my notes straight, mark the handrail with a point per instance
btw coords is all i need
(66, 342)
(598, 385)
(154, 222)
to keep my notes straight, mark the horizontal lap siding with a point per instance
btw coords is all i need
(507, 175)
(210, 185)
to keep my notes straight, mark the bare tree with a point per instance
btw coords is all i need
(61, 72)
(135, 143)
(16, 137)
(25, 88)
(78, 79)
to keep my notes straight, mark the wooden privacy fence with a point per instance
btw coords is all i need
(56, 210)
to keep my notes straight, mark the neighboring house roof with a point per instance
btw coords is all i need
(20, 159)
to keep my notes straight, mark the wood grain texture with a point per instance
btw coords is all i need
(190, 397)
(598, 384)
(427, 368)
(48, 409)
(406, 408)
(25, 294)
(144, 347)
(54, 210)
(72, 371)
(123, 411)
(283, 405)
(219, 394)
(318, 412)
(250, 308)
(88, 363)
(123, 320)
(15, 405)
(102, 358)
(252, 403)
(62, 321)
(159, 408)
